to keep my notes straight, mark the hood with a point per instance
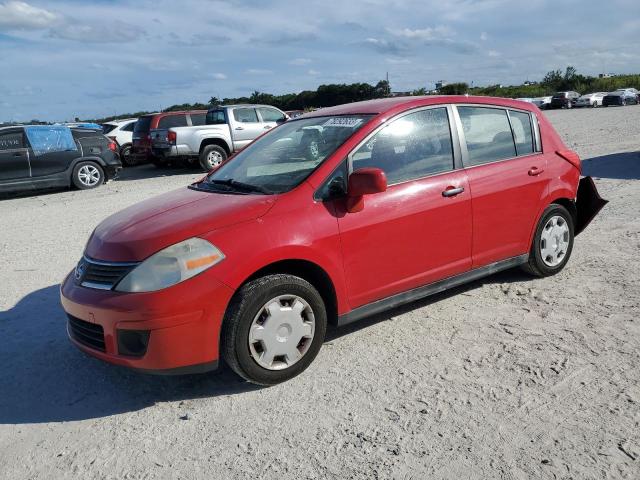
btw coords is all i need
(141, 230)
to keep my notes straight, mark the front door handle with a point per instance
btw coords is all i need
(239, 128)
(533, 171)
(267, 127)
(452, 191)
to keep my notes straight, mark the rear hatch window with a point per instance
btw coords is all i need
(108, 128)
(559, 95)
(143, 125)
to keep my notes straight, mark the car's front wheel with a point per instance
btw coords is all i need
(273, 329)
(87, 175)
(552, 242)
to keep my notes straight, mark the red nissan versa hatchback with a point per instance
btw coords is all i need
(328, 218)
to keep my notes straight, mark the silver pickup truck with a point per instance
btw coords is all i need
(228, 129)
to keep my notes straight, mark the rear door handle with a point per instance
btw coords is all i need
(239, 128)
(452, 191)
(18, 154)
(533, 171)
(267, 127)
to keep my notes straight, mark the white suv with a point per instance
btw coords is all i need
(121, 131)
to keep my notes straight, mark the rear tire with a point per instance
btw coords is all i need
(552, 242)
(125, 156)
(273, 329)
(212, 156)
(87, 175)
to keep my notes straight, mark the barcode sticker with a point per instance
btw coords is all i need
(348, 122)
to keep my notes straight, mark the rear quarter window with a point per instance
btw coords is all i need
(198, 119)
(11, 140)
(173, 121)
(522, 132)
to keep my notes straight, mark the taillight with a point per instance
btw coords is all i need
(112, 146)
(171, 137)
(572, 157)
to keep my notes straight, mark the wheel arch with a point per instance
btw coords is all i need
(215, 141)
(309, 271)
(561, 199)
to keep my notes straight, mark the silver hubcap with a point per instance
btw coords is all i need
(214, 159)
(554, 241)
(89, 175)
(281, 333)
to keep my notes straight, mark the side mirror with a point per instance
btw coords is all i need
(364, 181)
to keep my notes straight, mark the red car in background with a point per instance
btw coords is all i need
(328, 218)
(141, 139)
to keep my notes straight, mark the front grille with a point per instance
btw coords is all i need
(86, 333)
(101, 275)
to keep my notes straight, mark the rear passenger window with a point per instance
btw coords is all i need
(271, 115)
(522, 132)
(487, 133)
(173, 121)
(198, 119)
(11, 140)
(413, 146)
(245, 115)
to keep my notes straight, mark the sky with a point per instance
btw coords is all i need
(94, 58)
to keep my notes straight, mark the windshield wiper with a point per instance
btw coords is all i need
(246, 187)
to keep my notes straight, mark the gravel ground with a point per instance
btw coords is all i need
(508, 377)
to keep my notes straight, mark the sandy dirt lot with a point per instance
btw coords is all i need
(506, 378)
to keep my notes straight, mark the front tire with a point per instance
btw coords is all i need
(552, 242)
(212, 156)
(87, 175)
(273, 329)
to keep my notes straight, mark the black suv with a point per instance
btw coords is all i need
(47, 156)
(564, 99)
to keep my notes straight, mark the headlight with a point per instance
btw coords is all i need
(172, 265)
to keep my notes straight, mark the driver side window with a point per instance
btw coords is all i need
(411, 147)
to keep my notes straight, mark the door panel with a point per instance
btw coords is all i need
(507, 189)
(14, 158)
(406, 237)
(413, 233)
(246, 127)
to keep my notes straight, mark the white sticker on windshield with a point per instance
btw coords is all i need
(349, 122)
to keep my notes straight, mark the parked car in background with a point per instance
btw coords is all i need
(542, 102)
(227, 129)
(564, 99)
(89, 125)
(249, 264)
(141, 140)
(294, 113)
(621, 97)
(121, 132)
(591, 99)
(47, 156)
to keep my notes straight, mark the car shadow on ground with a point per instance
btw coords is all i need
(622, 166)
(141, 172)
(45, 379)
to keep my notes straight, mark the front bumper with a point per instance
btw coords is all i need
(183, 323)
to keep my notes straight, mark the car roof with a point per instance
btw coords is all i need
(242, 105)
(177, 112)
(393, 104)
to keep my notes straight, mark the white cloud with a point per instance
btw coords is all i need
(22, 16)
(484, 36)
(493, 53)
(258, 71)
(428, 33)
(300, 61)
(313, 72)
(219, 76)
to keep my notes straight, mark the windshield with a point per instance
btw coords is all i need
(282, 159)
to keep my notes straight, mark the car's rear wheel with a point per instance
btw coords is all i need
(212, 157)
(87, 175)
(126, 157)
(595, 104)
(552, 242)
(273, 329)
